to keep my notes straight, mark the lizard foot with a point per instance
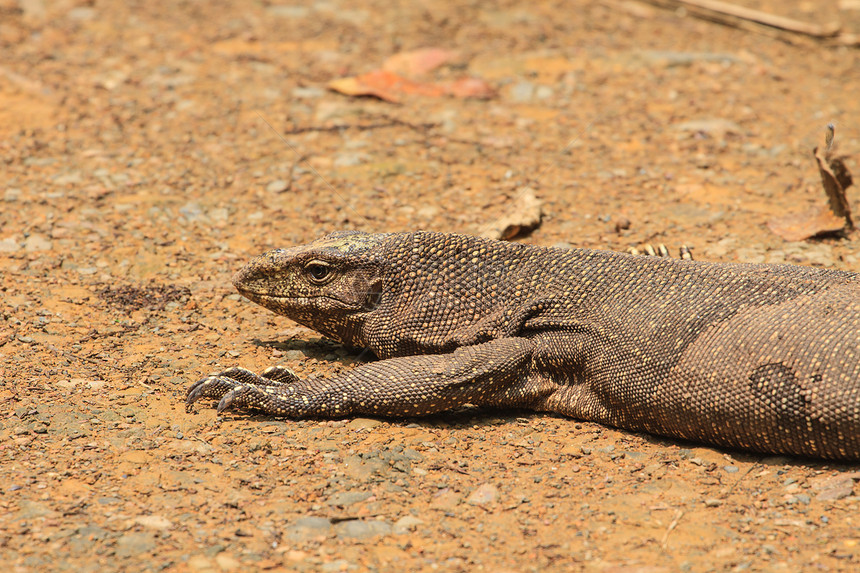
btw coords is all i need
(234, 381)
(255, 397)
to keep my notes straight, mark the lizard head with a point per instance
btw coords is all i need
(330, 285)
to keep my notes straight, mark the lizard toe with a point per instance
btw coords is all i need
(198, 389)
(227, 400)
(215, 387)
(280, 374)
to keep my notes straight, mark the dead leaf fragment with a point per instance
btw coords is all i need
(832, 218)
(391, 87)
(524, 215)
(474, 88)
(836, 179)
(802, 226)
(419, 62)
(385, 85)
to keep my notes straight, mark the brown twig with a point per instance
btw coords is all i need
(678, 515)
(747, 18)
(360, 127)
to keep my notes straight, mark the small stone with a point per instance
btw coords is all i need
(153, 522)
(289, 12)
(227, 562)
(348, 498)
(672, 59)
(219, 214)
(82, 13)
(188, 446)
(96, 384)
(714, 127)
(295, 555)
(483, 494)
(622, 224)
(192, 211)
(308, 527)
(9, 245)
(406, 524)
(838, 490)
(712, 502)
(350, 159)
(199, 563)
(362, 424)
(277, 186)
(358, 529)
(307, 92)
(71, 178)
(730, 469)
(135, 544)
(33, 509)
(522, 92)
(37, 242)
(544, 92)
(335, 566)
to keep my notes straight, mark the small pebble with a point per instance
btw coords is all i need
(358, 529)
(483, 494)
(277, 186)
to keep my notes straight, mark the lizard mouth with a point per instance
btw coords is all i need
(297, 302)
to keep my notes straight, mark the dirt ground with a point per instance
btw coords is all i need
(139, 171)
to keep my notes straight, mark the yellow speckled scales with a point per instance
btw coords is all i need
(759, 357)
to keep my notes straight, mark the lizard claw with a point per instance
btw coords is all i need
(218, 384)
(227, 400)
(214, 386)
(241, 388)
(196, 390)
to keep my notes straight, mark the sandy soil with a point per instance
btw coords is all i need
(139, 171)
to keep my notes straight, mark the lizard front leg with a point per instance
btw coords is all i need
(406, 386)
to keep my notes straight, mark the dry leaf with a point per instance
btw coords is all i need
(524, 216)
(836, 179)
(834, 217)
(383, 84)
(801, 226)
(418, 62)
(389, 86)
(469, 88)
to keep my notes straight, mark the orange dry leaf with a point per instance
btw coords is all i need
(801, 226)
(834, 217)
(418, 62)
(389, 86)
(383, 84)
(469, 88)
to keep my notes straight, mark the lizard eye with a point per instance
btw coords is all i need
(318, 272)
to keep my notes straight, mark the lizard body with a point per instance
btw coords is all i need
(751, 356)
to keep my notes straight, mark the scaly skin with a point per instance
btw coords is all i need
(758, 357)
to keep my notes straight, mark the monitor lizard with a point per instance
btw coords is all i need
(751, 356)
